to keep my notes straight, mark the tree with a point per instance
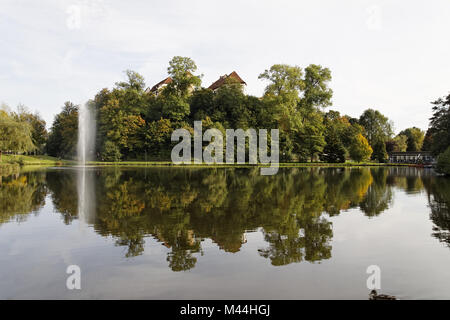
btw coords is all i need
(174, 99)
(415, 138)
(120, 127)
(295, 102)
(316, 95)
(284, 81)
(443, 163)
(397, 144)
(62, 141)
(15, 135)
(39, 134)
(309, 138)
(201, 104)
(379, 151)
(181, 70)
(173, 106)
(281, 97)
(316, 91)
(428, 140)
(158, 139)
(110, 151)
(230, 105)
(360, 150)
(121, 115)
(440, 125)
(334, 151)
(339, 133)
(376, 126)
(135, 81)
(131, 96)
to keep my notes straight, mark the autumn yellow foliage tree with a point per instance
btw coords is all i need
(360, 150)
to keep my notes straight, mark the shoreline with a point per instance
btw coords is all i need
(15, 164)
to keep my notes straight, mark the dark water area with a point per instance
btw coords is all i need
(201, 233)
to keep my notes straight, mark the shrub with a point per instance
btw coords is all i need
(111, 152)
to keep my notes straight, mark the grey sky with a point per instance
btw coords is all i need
(391, 55)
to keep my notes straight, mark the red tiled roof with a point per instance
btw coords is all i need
(222, 79)
(156, 86)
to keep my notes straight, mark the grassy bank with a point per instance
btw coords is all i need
(14, 162)
(283, 164)
(33, 160)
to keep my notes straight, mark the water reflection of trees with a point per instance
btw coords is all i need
(438, 190)
(379, 194)
(62, 184)
(21, 195)
(182, 207)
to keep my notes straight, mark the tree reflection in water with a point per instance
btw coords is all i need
(180, 207)
(438, 191)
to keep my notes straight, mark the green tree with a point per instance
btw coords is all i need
(230, 105)
(281, 98)
(121, 115)
(295, 102)
(400, 143)
(201, 104)
(316, 95)
(309, 138)
(15, 135)
(174, 99)
(110, 151)
(135, 81)
(379, 151)
(181, 70)
(158, 139)
(334, 151)
(443, 163)
(63, 137)
(316, 91)
(337, 136)
(39, 134)
(173, 106)
(440, 125)
(120, 127)
(428, 140)
(415, 138)
(360, 150)
(284, 81)
(376, 126)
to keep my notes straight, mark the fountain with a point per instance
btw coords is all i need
(86, 134)
(85, 152)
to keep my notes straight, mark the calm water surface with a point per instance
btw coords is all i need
(178, 233)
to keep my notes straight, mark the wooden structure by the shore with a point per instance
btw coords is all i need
(413, 157)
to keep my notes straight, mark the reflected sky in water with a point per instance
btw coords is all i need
(168, 233)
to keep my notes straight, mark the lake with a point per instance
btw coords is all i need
(224, 233)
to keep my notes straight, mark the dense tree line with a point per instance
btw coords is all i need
(136, 123)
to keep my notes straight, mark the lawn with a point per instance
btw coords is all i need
(31, 160)
(52, 161)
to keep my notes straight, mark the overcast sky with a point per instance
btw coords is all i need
(392, 55)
